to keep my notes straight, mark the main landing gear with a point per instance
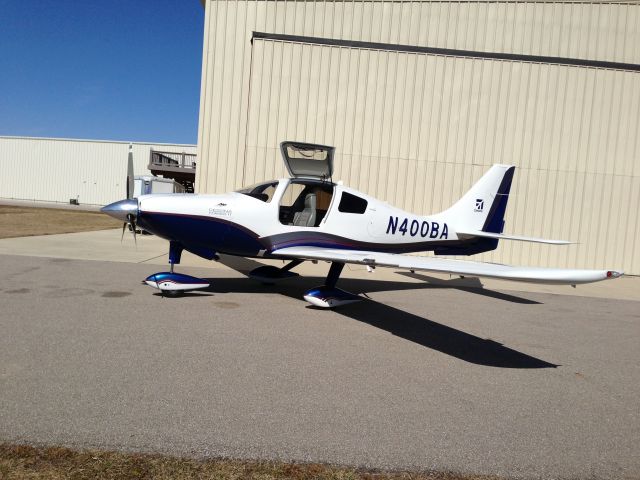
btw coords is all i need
(171, 283)
(327, 295)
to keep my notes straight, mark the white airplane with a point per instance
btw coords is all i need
(309, 217)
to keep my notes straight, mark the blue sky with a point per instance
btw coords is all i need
(101, 69)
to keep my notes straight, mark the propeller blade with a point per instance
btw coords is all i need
(124, 225)
(131, 221)
(133, 229)
(130, 173)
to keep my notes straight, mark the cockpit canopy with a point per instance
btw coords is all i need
(303, 200)
(308, 160)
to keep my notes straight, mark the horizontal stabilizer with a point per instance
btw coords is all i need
(502, 236)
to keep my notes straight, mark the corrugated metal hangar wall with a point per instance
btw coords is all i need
(56, 170)
(421, 97)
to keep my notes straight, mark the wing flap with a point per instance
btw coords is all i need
(558, 276)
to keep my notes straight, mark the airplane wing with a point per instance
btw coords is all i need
(557, 276)
(502, 236)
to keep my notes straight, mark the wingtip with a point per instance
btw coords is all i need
(614, 274)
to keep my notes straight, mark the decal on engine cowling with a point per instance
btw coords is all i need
(220, 212)
(417, 228)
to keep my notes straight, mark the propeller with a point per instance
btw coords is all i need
(126, 210)
(130, 218)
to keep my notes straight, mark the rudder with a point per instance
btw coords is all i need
(484, 205)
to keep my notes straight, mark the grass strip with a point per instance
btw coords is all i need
(30, 221)
(19, 462)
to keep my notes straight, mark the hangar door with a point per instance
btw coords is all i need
(417, 129)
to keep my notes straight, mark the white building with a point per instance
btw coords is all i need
(93, 172)
(421, 97)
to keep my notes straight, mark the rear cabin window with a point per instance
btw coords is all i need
(352, 204)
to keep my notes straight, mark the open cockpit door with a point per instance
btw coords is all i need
(308, 160)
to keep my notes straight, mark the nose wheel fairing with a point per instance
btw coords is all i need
(172, 282)
(175, 282)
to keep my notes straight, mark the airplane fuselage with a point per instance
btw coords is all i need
(240, 224)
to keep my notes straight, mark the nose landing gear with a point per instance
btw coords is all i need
(171, 283)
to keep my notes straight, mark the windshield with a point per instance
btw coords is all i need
(262, 191)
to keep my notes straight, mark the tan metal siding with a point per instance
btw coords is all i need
(423, 155)
(419, 129)
(56, 170)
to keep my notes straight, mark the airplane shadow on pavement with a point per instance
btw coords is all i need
(442, 338)
(414, 328)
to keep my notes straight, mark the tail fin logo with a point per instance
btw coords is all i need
(479, 205)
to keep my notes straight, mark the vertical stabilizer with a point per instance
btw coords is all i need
(483, 207)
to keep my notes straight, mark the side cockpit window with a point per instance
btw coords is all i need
(262, 191)
(305, 203)
(352, 204)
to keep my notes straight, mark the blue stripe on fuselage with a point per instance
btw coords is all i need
(218, 235)
(208, 232)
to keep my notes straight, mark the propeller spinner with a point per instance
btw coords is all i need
(126, 211)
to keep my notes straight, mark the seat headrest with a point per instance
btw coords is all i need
(310, 200)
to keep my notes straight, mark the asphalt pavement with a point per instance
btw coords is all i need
(421, 375)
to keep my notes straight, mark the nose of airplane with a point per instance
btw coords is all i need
(121, 209)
